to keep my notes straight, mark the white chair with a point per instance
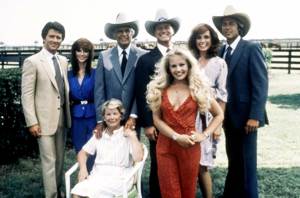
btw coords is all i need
(135, 172)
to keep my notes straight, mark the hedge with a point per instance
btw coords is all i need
(15, 140)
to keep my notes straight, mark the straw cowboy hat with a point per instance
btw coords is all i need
(121, 21)
(162, 17)
(231, 12)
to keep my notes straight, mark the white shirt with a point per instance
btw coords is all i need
(120, 50)
(49, 57)
(111, 150)
(232, 45)
(163, 49)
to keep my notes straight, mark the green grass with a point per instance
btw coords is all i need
(278, 151)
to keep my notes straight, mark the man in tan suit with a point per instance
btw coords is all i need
(45, 101)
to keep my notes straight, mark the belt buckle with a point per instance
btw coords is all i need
(83, 102)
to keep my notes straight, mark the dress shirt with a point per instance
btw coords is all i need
(50, 61)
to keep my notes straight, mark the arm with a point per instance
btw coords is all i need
(259, 85)
(28, 89)
(99, 95)
(82, 158)
(218, 117)
(182, 139)
(142, 78)
(137, 148)
(99, 90)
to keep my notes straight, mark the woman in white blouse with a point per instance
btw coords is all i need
(116, 151)
(204, 44)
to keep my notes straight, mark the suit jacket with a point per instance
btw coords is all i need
(109, 82)
(85, 91)
(247, 85)
(144, 70)
(40, 93)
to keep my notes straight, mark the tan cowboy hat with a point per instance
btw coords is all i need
(121, 21)
(231, 12)
(162, 17)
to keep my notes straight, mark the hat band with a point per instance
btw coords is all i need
(162, 19)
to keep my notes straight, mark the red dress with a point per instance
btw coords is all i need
(177, 166)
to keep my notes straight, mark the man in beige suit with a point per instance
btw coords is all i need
(45, 101)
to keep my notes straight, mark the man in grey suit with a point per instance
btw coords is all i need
(45, 101)
(115, 71)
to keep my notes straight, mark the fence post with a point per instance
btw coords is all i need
(290, 61)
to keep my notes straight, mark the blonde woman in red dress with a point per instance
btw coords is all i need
(178, 90)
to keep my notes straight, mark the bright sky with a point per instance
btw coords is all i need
(21, 21)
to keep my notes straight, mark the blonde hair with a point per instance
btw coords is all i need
(197, 81)
(113, 104)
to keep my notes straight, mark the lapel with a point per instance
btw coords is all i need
(114, 58)
(45, 64)
(236, 56)
(156, 54)
(130, 63)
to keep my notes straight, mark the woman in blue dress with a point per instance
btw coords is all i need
(81, 80)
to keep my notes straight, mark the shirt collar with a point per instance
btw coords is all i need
(48, 54)
(120, 50)
(234, 43)
(163, 49)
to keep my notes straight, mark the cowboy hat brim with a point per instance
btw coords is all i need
(150, 25)
(111, 28)
(242, 18)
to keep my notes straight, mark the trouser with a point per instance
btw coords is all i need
(52, 149)
(241, 149)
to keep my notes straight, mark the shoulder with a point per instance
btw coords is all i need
(139, 50)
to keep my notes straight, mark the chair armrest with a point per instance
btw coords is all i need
(68, 179)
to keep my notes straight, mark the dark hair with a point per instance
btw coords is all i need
(86, 46)
(215, 42)
(55, 26)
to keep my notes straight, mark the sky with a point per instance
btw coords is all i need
(21, 21)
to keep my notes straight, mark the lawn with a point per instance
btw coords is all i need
(278, 151)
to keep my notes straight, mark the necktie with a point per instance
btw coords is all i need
(168, 50)
(59, 80)
(124, 62)
(228, 55)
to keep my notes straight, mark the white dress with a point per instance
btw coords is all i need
(113, 161)
(216, 71)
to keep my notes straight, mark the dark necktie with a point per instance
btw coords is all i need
(124, 62)
(228, 55)
(59, 80)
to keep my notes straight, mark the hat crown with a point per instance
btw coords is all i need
(122, 18)
(161, 15)
(230, 10)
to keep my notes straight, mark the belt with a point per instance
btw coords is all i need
(81, 102)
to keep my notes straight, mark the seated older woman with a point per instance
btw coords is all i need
(116, 151)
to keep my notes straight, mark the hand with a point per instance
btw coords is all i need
(129, 133)
(151, 133)
(184, 140)
(251, 126)
(130, 124)
(82, 174)
(98, 130)
(35, 130)
(217, 133)
(197, 137)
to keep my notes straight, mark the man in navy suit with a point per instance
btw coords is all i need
(162, 28)
(247, 86)
(115, 73)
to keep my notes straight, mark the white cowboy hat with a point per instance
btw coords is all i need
(231, 12)
(121, 21)
(162, 17)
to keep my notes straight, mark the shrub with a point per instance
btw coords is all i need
(15, 140)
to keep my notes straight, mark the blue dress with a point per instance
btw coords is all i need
(83, 109)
